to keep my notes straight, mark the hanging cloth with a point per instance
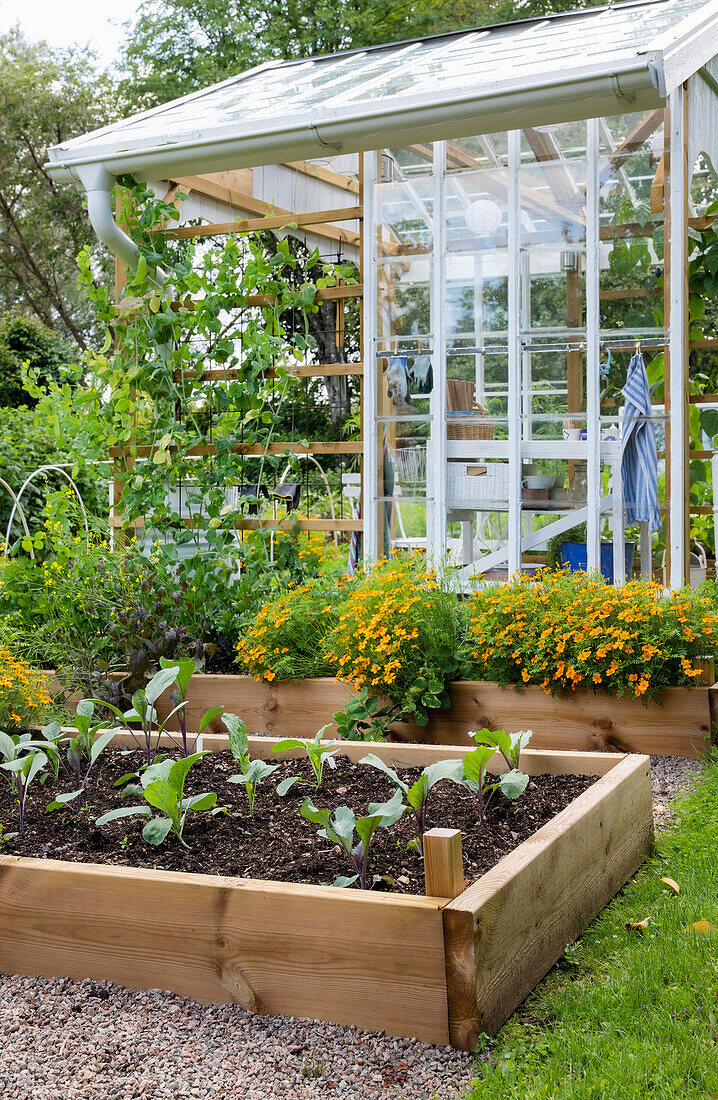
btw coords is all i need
(639, 458)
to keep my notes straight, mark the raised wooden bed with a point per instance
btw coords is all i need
(681, 726)
(443, 970)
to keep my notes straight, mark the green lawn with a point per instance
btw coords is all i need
(629, 1014)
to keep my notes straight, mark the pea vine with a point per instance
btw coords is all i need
(190, 307)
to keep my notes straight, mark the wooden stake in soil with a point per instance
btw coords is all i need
(443, 863)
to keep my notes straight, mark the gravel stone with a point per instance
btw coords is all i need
(669, 776)
(92, 1040)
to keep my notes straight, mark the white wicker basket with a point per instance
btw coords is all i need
(411, 465)
(477, 485)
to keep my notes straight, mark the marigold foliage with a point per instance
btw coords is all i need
(388, 629)
(398, 624)
(24, 698)
(566, 630)
(286, 638)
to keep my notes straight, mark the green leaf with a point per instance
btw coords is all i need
(156, 830)
(140, 704)
(289, 743)
(418, 792)
(123, 811)
(178, 772)
(200, 802)
(237, 733)
(209, 716)
(442, 769)
(475, 763)
(159, 683)
(163, 796)
(311, 813)
(7, 746)
(185, 671)
(86, 708)
(376, 762)
(101, 743)
(513, 783)
(286, 784)
(159, 770)
(62, 799)
(388, 812)
(343, 881)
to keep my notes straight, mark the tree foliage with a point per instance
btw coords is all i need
(46, 97)
(179, 46)
(25, 340)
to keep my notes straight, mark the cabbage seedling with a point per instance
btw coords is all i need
(339, 827)
(256, 770)
(70, 752)
(471, 773)
(24, 762)
(252, 771)
(185, 670)
(316, 754)
(163, 788)
(417, 795)
(508, 744)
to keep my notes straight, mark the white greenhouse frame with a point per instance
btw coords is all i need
(588, 65)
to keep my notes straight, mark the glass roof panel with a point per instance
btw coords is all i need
(314, 90)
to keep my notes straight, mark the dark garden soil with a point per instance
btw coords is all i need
(277, 843)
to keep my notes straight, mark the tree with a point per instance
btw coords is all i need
(25, 340)
(180, 46)
(46, 97)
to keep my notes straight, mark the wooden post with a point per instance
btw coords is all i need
(443, 863)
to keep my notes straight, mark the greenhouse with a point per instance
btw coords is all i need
(518, 202)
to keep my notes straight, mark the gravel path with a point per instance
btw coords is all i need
(669, 776)
(95, 1041)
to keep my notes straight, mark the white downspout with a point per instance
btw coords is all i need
(98, 184)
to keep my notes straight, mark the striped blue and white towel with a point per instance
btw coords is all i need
(639, 458)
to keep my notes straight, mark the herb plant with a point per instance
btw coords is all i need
(252, 772)
(417, 795)
(339, 828)
(24, 760)
(317, 755)
(163, 789)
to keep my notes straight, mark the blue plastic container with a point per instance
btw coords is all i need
(575, 555)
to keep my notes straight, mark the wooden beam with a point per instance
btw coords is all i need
(254, 523)
(322, 370)
(278, 221)
(222, 186)
(320, 447)
(631, 292)
(328, 294)
(633, 141)
(245, 201)
(271, 947)
(658, 187)
(326, 175)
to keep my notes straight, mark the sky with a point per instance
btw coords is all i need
(65, 22)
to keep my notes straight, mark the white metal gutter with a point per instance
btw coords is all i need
(575, 95)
